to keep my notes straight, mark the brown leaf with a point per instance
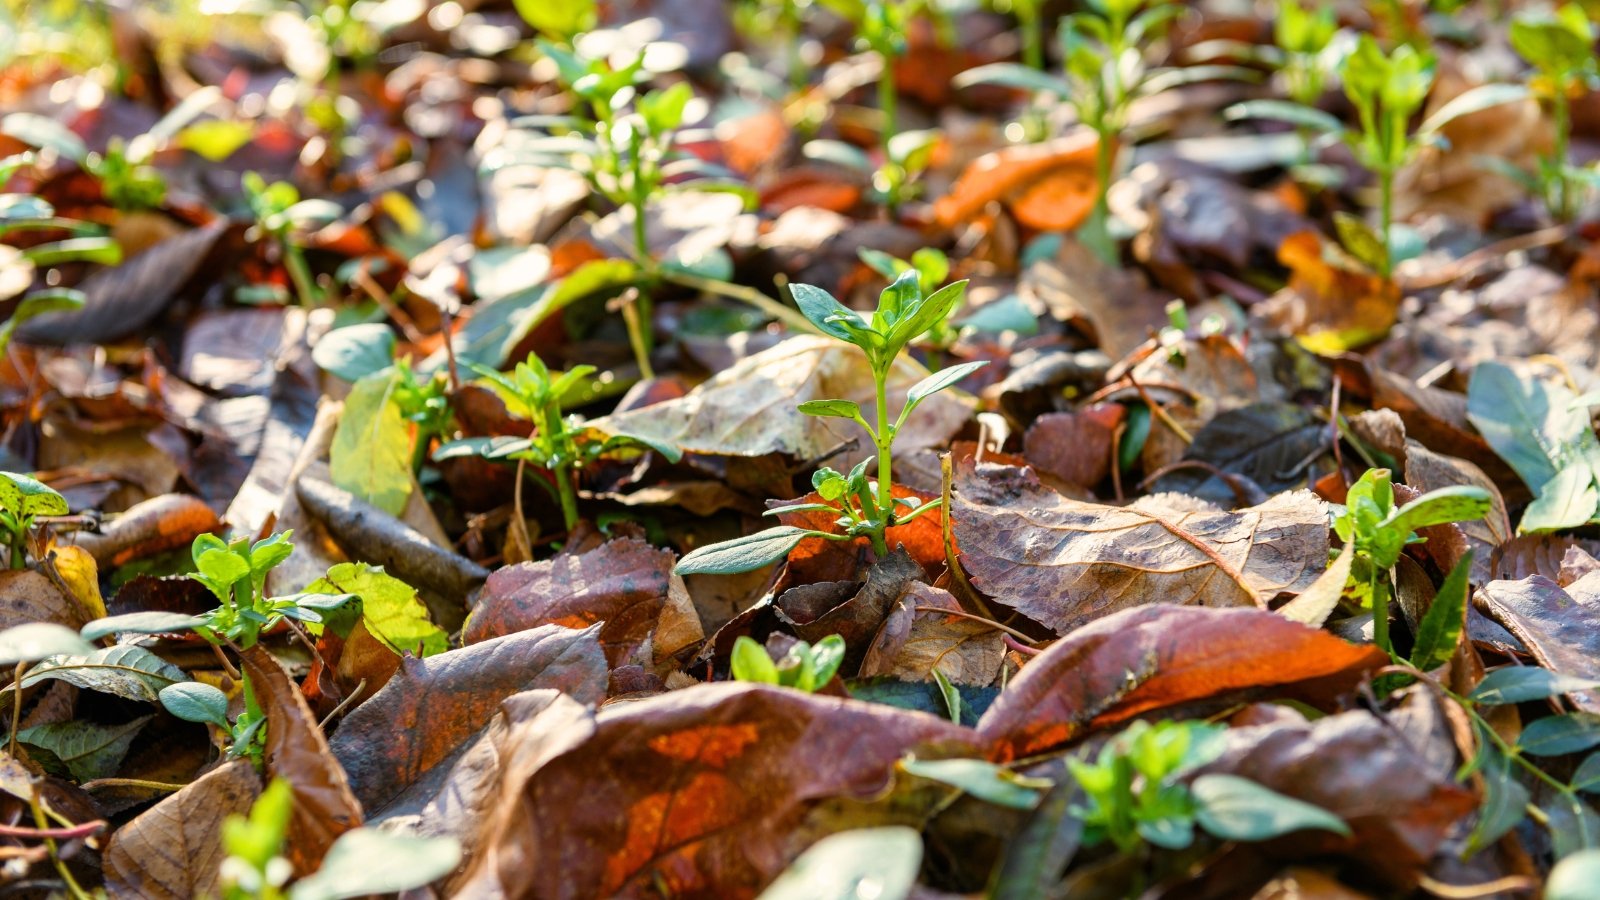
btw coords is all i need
(433, 705)
(1364, 770)
(154, 526)
(174, 849)
(917, 640)
(298, 752)
(1064, 562)
(1563, 634)
(1050, 186)
(749, 409)
(1153, 657)
(693, 793)
(27, 595)
(856, 619)
(1536, 554)
(623, 583)
(1074, 446)
(1331, 305)
(1111, 304)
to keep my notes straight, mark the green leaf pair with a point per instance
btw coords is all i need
(804, 667)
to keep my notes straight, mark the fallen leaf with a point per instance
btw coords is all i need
(819, 559)
(1064, 563)
(1561, 633)
(1153, 657)
(1049, 186)
(1272, 444)
(623, 583)
(917, 639)
(1333, 305)
(174, 849)
(153, 526)
(856, 619)
(431, 706)
(696, 792)
(1074, 446)
(371, 452)
(1112, 305)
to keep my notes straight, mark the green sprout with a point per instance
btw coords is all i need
(932, 268)
(280, 216)
(1377, 533)
(22, 501)
(1387, 90)
(560, 444)
(1560, 47)
(804, 667)
(865, 508)
(236, 573)
(195, 701)
(1135, 793)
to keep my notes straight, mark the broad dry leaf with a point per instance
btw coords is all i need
(1111, 304)
(1074, 446)
(433, 705)
(1561, 633)
(154, 526)
(1331, 304)
(174, 849)
(1050, 186)
(298, 752)
(918, 639)
(27, 596)
(623, 583)
(1154, 657)
(749, 409)
(697, 792)
(1064, 563)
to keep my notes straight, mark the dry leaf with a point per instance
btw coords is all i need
(174, 849)
(1050, 186)
(917, 639)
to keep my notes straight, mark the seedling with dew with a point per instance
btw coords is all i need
(865, 508)
(280, 217)
(804, 667)
(562, 445)
(1387, 90)
(1560, 47)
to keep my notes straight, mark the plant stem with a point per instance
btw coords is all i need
(1561, 187)
(1386, 189)
(562, 472)
(883, 439)
(886, 105)
(791, 319)
(635, 308)
(294, 260)
(1380, 611)
(1032, 34)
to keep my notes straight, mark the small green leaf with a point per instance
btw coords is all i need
(1587, 777)
(1012, 75)
(826, 657)
(85, 749)
(356, 351)
(496, 447)
(194, 701)
(1478, 99)
(1360, 240)
(839, 409)
(34, 641)
(44, 133)
(1520, 684)
(980, 778)
(940, 380)
(670, 452)
(1505, 799)
(1566, 501)
(1238, 809)
(828, 314)
(744, 553)
(560, 19)
(950, 694)
(1577, 877)
(750, 661)
(24, 496)
(150, 622)
(371, 452)
(124, 670)
(1440, 629)
(1458, 503)
(390, 607)
(367, 861)
(1285, 111)
(1558, 735)
(880, 863)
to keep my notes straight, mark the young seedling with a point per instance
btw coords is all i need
(236, 573)
(804, 667)
(1377, 533)
(1134, 793)
(1560, 47)
(195, 701)
(1387, 90)
(865, 508)
(280, 216)
(1302, 36)
(1106, 70)
(561, 445)
(932, 267)
(22, 501)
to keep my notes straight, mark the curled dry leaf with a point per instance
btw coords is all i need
(917, 639)
(298, 752)
(858, 618)
(749, 409)
(1050, 186)
(1110, 304)
(153, 526)
(1065, 563)
(1364, 770)
(1561, 633)
(697, 792)
(1154, 657)
(27, 595)
(173, 851)
(623, 583)
(433, 705)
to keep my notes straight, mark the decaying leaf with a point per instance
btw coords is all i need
(1065, 563)
(924, 633)
(1561, 633)
(174, 849)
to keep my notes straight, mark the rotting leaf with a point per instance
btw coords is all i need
(173, 851)
(917, 640)
(1065, 563)
(1151, 657)
(456, 694)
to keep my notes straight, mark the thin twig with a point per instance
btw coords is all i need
(343, 704)
(99, 783)
(976, 618)
(65, 834)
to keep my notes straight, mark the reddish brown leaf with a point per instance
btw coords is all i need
(298, 752)
(154, 526)
(174, 849)
(1075, 446)
(1153, 657)
(694, 793)
(1051, 186)
(623, 583)
(819, 559)
(917, 639)
(431, 706)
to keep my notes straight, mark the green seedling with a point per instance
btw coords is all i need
(624, 142)
(560, 444)
(932, 267)
(804, 667)
(1541, 428)
(865, 508)
(1560, 47)
(1387, 90)
(195, 701)
(1377, 532)
(784, 22)
(22, 501)
(362, 862)
(1106, 69)
(236, 573)
(1135, 794)
(281, 216)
